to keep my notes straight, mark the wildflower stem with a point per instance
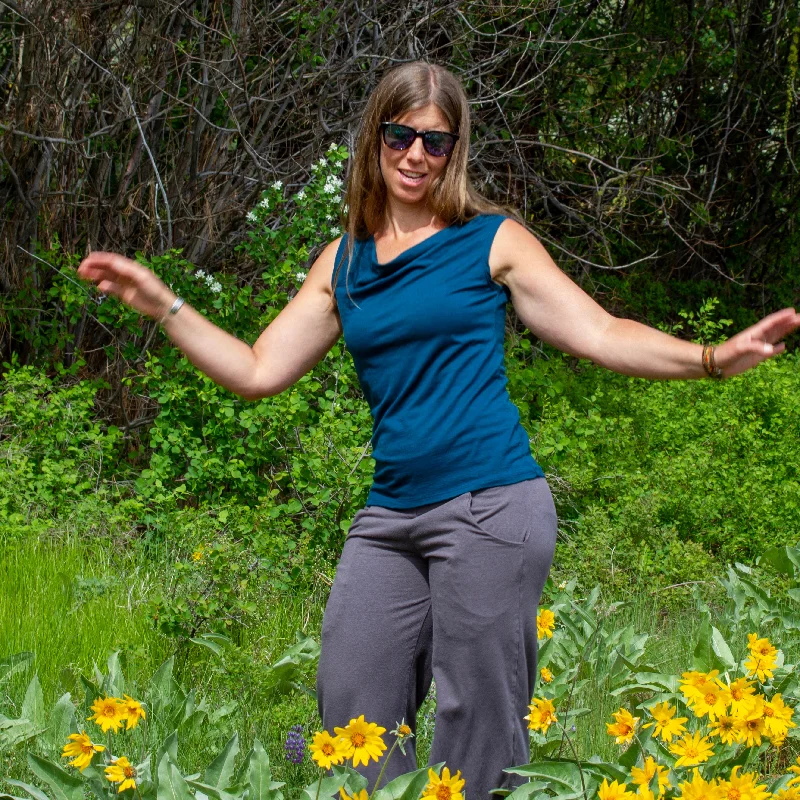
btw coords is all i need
(383, 768)
(319, 783)
(568, 739)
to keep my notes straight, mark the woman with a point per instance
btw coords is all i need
(442, 571)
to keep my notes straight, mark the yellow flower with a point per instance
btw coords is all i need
(108, 714)
(444, 788)
(789, 793)
(624, 726)
(760, 667)
(778, 718)
(81, 749)
(546, 675)
(743, 787)
(122, 772)
(362, 795)
(753, 723)
(699, 789)
(692, 749)
(404, 730)
(642, 776)
(132, 712)
(614, 791)
(739, 695)
(542, 716)
(695, 684)
(198, 554)
(760, 647)
(326, 750)
(545, 622)
(363, 740)
(729, 729)
(711, 700)
(667, 724)
(796, 770)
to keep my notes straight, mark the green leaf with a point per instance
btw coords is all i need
(784, 559)
(114, 684)
(711, 650)
(168, 747)
(33, 791)
(63, 785)
(61, 723)
(171, 785)
(33, 704)
(405, 787)
(262, 786)
(216, 792)
(16, 731)
(220, 771)
(163, 688)
(13, 664)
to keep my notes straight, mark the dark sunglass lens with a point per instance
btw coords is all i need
(398, 137)
(438, 143)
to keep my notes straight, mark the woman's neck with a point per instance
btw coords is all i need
(403, 221)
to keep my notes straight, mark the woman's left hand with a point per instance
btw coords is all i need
(756, 343)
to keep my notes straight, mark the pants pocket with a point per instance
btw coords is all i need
(502, 513)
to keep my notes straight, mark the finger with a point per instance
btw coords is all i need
(777, 325)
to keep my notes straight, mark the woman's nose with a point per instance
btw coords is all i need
(416, 152)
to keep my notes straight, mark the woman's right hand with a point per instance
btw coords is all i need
(128, 280)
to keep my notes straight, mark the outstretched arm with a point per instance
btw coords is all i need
(559, 312)
(288, 348)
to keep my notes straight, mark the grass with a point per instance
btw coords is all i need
(72, 602)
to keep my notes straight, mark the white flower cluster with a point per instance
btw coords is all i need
(300, 276)
(264, 202)
(251, 216)
(213, 284)
(321, 164)
(332, 184)
(336, 230)
(278, 185)
(301, 194)
(332, 146)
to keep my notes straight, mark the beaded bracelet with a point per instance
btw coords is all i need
(709, 364)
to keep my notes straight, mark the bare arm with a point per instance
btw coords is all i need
(559, 312)
(288, 348)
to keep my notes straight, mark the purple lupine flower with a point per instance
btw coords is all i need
(295, 745)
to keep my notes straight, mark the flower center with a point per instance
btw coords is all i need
(358, 739)
(129, 771)
(404, 730)
(109, 711)
(737, 693)
(327, 749)
(734, 794)
(769, 711)
(443, 792)
(752, 724)
(710, 699)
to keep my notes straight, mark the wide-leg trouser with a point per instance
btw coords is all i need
(447, 591)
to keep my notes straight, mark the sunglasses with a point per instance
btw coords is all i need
(401, 137)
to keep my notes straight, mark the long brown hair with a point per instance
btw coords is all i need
(453, 198)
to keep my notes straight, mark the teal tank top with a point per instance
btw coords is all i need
(426, 335)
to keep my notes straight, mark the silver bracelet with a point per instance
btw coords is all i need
(174, 308)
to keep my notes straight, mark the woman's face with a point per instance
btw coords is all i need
(409, 173)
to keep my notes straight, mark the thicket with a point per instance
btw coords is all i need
(651, 145)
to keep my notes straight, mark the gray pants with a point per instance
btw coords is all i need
(447, 591)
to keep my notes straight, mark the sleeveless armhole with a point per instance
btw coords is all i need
(493, 226)
(338, 262)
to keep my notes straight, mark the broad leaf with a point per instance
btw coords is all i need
(61, 723)
(220, 771)
(404, 787)
(33, 791)
(163, 688)
(63, 785)
(114, 684)
(171, 784)
(262, 787)
(12, 664)
(16, 731)
(784, 559)
(33, 704)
